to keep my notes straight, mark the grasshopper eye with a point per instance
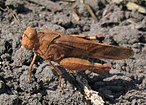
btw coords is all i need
(30, 32)
(30, 35)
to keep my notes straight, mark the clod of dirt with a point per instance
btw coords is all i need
(2, 87)
(2, 47)
(6, 99)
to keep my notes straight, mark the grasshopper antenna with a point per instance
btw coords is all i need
(15, 16)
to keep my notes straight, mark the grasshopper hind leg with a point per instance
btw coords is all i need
(78, 64)
(99, 37)
(59, 73)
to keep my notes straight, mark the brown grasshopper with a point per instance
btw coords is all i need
(71, 51)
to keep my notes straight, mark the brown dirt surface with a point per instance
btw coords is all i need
(126, 83)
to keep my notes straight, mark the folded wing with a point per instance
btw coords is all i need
(94, 49)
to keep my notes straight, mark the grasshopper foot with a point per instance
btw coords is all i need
(61, 85)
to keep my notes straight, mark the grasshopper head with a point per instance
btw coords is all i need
(29, 38)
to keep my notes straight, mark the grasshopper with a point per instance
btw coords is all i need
(71, 51)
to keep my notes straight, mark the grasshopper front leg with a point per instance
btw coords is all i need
(78, 64)
(30, 69)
